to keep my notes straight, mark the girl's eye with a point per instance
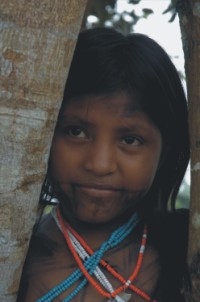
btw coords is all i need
(131, 140)
(75, 131)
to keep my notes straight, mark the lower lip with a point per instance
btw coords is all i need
(93, 192)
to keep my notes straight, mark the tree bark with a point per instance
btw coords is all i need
(37, 39)
(190, 28)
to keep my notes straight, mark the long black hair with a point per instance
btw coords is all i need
(106, 62)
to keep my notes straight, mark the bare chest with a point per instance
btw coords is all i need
(123, 261)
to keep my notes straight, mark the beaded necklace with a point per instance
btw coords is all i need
(77, 240)
(98, 272)
(125, 283)
(83, 254)
(90, 264)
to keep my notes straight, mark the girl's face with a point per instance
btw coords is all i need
(104, 157)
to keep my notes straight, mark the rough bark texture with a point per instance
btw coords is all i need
(37, 39)
(190, 27)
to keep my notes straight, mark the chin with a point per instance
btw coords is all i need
(99, 219)
(94, 220)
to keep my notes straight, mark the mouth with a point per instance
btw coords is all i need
(97, 190)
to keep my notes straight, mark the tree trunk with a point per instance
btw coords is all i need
(190, 28)
(37, 39)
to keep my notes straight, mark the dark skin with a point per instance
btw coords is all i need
(104, 158)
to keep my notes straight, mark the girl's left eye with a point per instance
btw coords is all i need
(75, 131)
(131, 140)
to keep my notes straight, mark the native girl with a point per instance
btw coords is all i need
(118, 156)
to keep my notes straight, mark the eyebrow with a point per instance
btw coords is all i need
(128, 127)
(75, 119)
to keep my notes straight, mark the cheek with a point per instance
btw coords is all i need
(140, 173)
(61, 168)
(60, 160)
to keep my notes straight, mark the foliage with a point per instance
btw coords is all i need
(105, 13)
(173, 9)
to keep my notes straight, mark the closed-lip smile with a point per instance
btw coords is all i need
(97, 190)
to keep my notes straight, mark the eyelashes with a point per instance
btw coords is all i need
(80, 133)
(75, 131)
(132, 140)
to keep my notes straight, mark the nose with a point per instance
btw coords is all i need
(101, 159)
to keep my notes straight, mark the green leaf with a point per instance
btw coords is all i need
(172, 8)
(134, 1)
(147, 12)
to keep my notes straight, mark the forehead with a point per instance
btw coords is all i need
(117, 105)
(107, 111)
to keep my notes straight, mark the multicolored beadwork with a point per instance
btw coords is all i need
(91, 260)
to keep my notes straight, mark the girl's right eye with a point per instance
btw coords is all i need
(75, 131)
